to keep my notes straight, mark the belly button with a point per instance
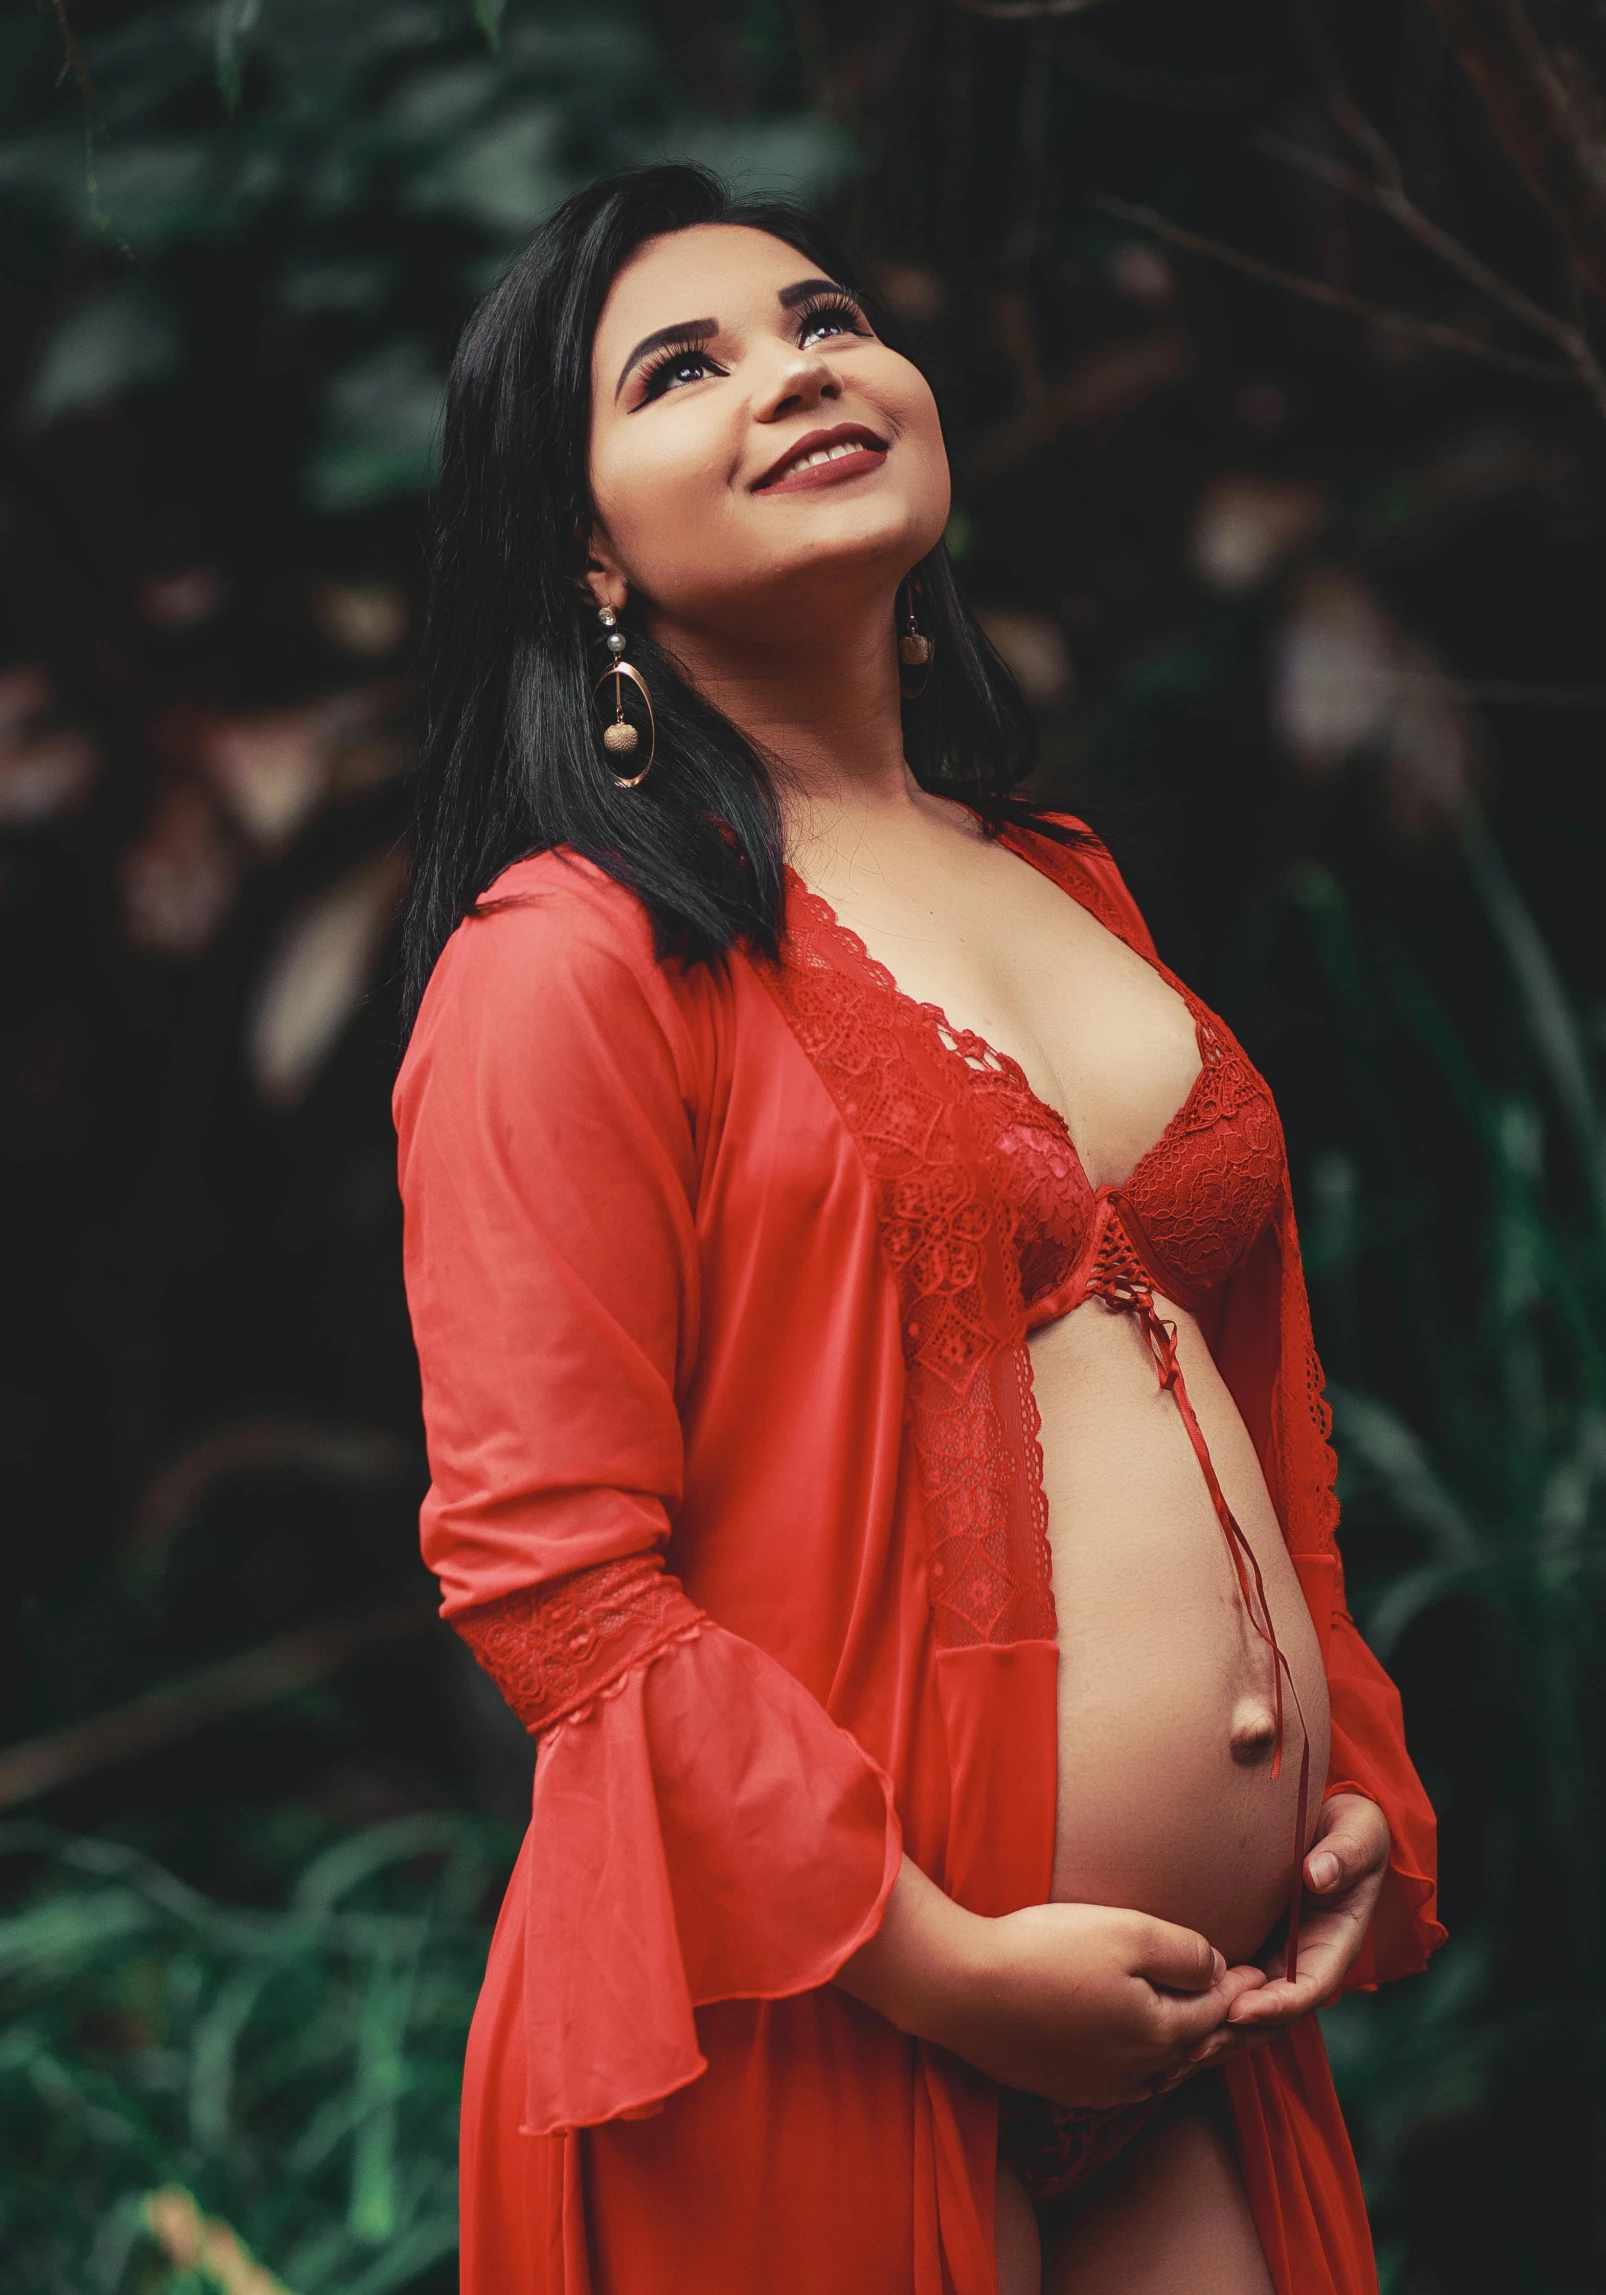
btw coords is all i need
(1254, 1731)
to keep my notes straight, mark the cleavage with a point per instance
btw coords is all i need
(1132, 1005)
(1123, 1157)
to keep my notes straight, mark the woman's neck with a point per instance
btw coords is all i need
(820, 700)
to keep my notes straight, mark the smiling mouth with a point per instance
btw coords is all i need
(824, 458)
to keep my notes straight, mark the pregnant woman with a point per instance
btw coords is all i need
(876, 1441)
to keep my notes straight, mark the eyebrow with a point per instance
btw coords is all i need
(804, 291)
(692, 331)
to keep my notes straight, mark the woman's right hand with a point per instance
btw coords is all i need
(1088, 2005)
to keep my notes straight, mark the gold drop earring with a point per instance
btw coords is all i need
(915, 648)
(620, 738)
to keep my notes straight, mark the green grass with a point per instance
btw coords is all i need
(297, 2069)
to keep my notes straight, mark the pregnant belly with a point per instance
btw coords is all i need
(1166, 1693)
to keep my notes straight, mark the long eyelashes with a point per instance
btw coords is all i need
(838, 307)
(693, 351)
(830, 313)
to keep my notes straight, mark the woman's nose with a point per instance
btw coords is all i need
(802, 380)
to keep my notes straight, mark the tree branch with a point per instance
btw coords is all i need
(1333, 298)
(1389, 195)
(73, 62)
(235, 1685)
(1536, 123)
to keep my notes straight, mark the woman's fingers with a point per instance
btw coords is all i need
(1224, 2039)
(1280, 2002)
(1183, 2020)
(1326, 1949)
(1176, 1959)
(1352, 1840)
(1343, 1870)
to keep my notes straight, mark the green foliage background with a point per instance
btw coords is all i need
(1308, 605)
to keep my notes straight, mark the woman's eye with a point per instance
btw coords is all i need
(684, 367)
(843, 322)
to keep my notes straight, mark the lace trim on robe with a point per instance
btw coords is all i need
(973, 1423)
(1309, 1461)
(556, 1650)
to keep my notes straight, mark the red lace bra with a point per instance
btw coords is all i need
(1192, 1206)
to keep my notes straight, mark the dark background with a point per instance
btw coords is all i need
(1263, 337)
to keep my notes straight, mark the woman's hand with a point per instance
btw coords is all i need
(1089, 2005)
(1344, 1872)
(1084, 2004)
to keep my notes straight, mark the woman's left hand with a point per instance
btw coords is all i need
(1344, 1872)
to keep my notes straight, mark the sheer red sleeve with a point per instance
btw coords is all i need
(1367, 1751)
(704, 1831)
(1368, 1756)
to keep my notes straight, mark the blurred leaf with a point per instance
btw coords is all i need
(180, 876)
(383, 429)
(1409, 1595)
(381, 2078)
(1245, 525)
(125, 341)
(505, 176)
(1332, 671)
(799, 158)
(161, 191)
(56, 1939)
(439, 103)
(235, 21)
(356, 285)
(295, 2071)
(205, 2249)
(316, 977)
(212, 2058)
(379, 1849)
(1378, 1439)
(1034, 651)
(1418, 2054)
(1554, 1030)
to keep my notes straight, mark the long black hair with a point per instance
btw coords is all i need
(512, 760)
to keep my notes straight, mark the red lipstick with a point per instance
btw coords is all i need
(793, 473)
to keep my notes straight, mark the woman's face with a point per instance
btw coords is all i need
(753, 444)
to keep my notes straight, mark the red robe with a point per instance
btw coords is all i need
(702, 1273)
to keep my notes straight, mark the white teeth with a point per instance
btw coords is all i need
(821, 454)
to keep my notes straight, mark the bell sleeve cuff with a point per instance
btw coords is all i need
(701, 1830)
(1368, 1756)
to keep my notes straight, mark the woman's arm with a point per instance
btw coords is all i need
(1085, 2004)
(701, 1829)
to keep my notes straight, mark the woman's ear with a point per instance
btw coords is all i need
(603, 579)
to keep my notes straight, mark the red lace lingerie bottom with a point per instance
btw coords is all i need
(1056, 2149)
